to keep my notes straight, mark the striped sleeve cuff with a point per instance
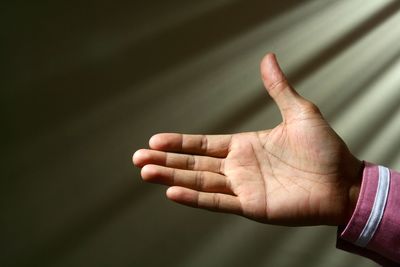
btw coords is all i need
(374, 228)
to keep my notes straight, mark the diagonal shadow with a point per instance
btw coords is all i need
(393, 150)
(94, 84)
(359, 90)
(84, 227)
(257, 103)
(369, 134)
(87, 226)
(345, 41)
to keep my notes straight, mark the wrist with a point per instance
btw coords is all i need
(354, 179)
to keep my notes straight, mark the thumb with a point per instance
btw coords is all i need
(287, 99)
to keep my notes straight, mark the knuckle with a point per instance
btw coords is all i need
(204, 143)
(173, 176)
(199, 180)
(309, 107)
(278, 87)
(191, 162)
(216, 202)
(278, 84)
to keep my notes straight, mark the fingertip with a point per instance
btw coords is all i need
(270, 70)
(182, 195)
(155, 141)
(268, 57)
(172, 193)
(139, 158)
(148, 172)
(135, 158)
(266, 60)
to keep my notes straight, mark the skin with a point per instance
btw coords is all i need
(298, 173)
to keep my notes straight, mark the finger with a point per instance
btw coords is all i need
(143, 157)
(203, 200)
(278, 87)
(208, 145)
(198, 180)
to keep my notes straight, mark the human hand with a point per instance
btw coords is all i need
(298, 173)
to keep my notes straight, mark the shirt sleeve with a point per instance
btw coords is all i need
(374, 228)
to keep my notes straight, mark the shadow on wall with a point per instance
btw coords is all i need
(54, 76)
(56, 83)
(66, 59)
(312, 64)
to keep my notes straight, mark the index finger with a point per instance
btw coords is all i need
(207, 145)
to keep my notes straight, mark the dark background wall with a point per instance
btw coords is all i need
(85, 84)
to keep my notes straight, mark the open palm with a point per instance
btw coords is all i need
(298, 173)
